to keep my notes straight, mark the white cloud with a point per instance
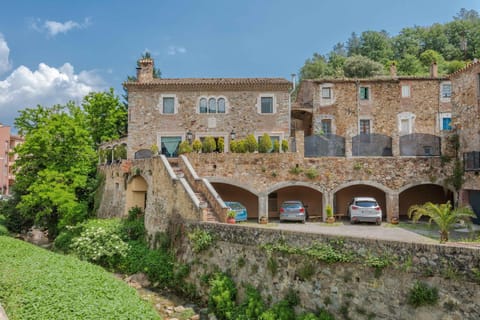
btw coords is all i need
(46, 86)
(52, 28)
(4, 55)
(173, 50)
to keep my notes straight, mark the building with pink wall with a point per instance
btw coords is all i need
(7, 143)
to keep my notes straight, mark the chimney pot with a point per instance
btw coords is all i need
(145, 70)
(434, 70)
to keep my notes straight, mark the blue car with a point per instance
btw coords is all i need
(241, 211)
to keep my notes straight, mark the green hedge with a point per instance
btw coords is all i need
(38, 284)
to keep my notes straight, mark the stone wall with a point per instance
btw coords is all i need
(352, 288)
(263, 172)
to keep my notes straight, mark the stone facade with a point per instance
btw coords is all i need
(353, 288)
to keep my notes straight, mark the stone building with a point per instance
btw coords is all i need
(383, 137)
(164, 112)
(466, 121)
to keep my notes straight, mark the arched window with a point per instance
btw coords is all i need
(212, 105)
(203, 105)
(221, 105)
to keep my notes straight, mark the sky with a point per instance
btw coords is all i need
(55, 51)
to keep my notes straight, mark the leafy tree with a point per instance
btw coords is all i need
(315, 67)
(56, 166)
(376, 45)
(410, 65)
(444, 216)
(353, 45)
(106, 117)
(455, 65)
(361, 67)
(408, 41)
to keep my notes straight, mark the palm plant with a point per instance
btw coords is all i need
(444, 216)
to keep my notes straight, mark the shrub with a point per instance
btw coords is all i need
(242, 146)
(221, 144)
(197, 145)
(184, 147)
(100, 246)
(276, 146)
(3, 229)
(209, 145)
(221, 298)
(200, 240)
(265, 144)
(422, 294)
(284, 145)
(311, 173)
(253, 305)
(251, 144)
(279, 311)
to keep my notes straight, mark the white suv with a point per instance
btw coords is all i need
(364, 209)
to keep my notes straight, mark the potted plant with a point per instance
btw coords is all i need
(231, 216)
(263, 220)
(394, 220)
(330, 217)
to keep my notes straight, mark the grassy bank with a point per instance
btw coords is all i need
(38, 284)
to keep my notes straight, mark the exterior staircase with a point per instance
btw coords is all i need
(208, 212)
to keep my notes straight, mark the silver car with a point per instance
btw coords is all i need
(364, 209)
(293, 211)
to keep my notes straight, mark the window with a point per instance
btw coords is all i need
(446, 90)
(471, 161)
(404, 126)
(405, 91)
(170, 146)
(168, 104)
(326, 93)
(266, 104)
(364, 93)
(212, 105)
(327, 126)
(203, 105)
(445, 122)
(364, 126)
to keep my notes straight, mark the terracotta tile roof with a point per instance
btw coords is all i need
(183, 83)
(374, 79)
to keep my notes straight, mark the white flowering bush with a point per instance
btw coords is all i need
(100, 246)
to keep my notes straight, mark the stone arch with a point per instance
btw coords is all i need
(136, 194)
(418, 193)
(313, 196)
(233, 191)
(343, 193)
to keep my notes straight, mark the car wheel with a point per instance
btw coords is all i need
(379, 223)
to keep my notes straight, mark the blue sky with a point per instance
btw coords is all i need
(55, 51)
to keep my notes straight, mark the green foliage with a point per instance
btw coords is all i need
(253, 306)
(197, 145)
(200, 239)
(276, 146)
(100, 246)
(251, 144)
(184, 147)
(362, 67)
(329, 211)
(38, 284)
(282, 310)
(319, 251)
(272, 265)
(3, 229)
(120, 152)
(221, 144)
(311, 173)
(322, 314)
(421, 294)
(231, 214)
(265, 144)
(296, 169)
(154, 148)
(284, 145)
(55, 169)
(222, 295)
(106, 117)
(238, 146)
(444, 216)
(208, 145)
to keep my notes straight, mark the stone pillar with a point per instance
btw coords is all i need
(262, 205)
(348, 145)
(300, 141)
(392, 205)
(396, 145)
(327, 200)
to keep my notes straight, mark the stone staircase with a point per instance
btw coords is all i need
(208, 212)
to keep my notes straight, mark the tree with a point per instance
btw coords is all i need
(353, 45)
(55, 168)
(315, 67)
(376, 45)
(106, 116)
(410, 65)
(444, 216)
(361, 67)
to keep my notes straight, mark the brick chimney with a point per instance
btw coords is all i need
(434, 70)
(145, 70)
(393, 70)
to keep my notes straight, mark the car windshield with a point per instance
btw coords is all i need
(366, 204)
(234, 205)
(291, 205)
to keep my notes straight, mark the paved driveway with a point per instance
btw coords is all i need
(369, 231)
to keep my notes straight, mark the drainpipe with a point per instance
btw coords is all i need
(290, 105)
